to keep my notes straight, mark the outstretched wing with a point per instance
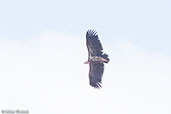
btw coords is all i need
(93, 44)
(95, 74)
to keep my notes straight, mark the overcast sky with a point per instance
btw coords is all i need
(42, 51)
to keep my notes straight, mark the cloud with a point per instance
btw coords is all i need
(46, 74)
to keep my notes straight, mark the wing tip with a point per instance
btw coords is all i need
(96, 85)
(91, 32)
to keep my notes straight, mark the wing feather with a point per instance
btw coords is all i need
(93, 43)
(95, 74)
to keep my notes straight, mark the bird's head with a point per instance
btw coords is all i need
(87, 62)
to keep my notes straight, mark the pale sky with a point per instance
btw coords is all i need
(42, 51)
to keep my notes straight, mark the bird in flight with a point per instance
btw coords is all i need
(96, 59)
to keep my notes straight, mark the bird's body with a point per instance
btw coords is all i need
(96, 58)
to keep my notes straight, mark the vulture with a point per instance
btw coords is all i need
(96, 59)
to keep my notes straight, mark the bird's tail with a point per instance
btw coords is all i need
(105, 56)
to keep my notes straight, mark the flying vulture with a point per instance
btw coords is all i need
(96, 59)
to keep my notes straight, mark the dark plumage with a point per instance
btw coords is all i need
(96, 58)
